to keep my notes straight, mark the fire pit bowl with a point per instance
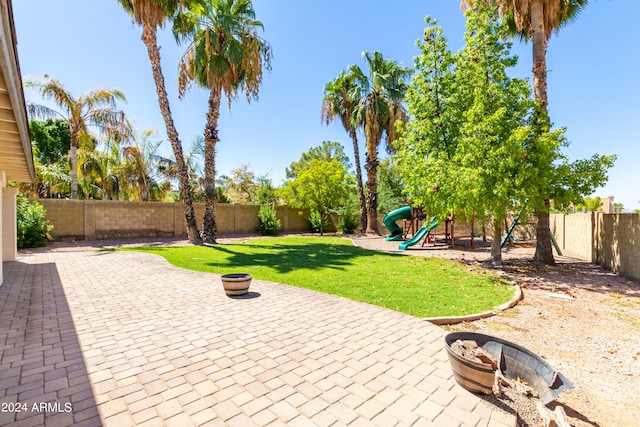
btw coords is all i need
(514, 361)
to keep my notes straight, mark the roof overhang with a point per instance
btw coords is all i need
(16, 158)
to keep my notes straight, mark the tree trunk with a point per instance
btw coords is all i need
(496, 237)
(149, 39)
(210, 141)
(539, 42)
(73, 166)
(544, 253)
(372, 194)
(361, 196)
(145, 191)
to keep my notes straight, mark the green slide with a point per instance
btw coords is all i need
(390, 219)
(420, 234)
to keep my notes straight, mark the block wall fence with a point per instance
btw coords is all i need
(100, 219)
(609, 240)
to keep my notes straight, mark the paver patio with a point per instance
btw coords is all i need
(119, 339)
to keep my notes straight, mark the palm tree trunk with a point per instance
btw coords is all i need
(149, 39)
(210, 141)
(544, 253)
(361, 196)
(372, 191)
(539, 41)
(73, 166)
(145, 189)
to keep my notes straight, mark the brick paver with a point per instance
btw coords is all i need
(116, 339)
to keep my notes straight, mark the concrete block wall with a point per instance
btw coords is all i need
(104, 219)
(609, 240)
(574, 234)
(293, 219)
(130, 219)
(617, 243)
(67, 216)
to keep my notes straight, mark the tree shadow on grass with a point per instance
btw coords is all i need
(285, 258)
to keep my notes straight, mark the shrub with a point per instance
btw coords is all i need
(319, 223)
(348, 222)
(269, 224)
(32, 225)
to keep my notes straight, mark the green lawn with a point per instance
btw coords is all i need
(422, 287)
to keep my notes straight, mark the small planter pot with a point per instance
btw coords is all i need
(236, 283)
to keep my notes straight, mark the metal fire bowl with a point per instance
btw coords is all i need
(515, 361)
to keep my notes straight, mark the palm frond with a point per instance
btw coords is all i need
(42, 111)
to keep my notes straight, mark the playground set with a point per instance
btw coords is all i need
(414, 224)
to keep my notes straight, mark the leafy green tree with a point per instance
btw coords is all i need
(589, 205)
(391, 191)
(267, 194)
(380, 106)
(321, 186)
(475, 144)
(51, 139)
(227, 56)
(341, 96)
(535, 20)
(95, 109)
(329, 150)
(241, 185)
(151, 14)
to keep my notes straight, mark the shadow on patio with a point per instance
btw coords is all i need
(43, 376)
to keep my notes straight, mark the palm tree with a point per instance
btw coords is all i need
(151, 14)
(94, 109)
(142, 163)
(225, 55)
(341, 97)
(535, 20)
(378, 109)
(102, 171)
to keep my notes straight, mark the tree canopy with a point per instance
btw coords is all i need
(51, 139)
(475, 144)
(329, 150)
(321, 181)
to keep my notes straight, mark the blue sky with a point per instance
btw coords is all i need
(593, 62)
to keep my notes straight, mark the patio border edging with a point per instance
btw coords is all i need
(451, 320)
